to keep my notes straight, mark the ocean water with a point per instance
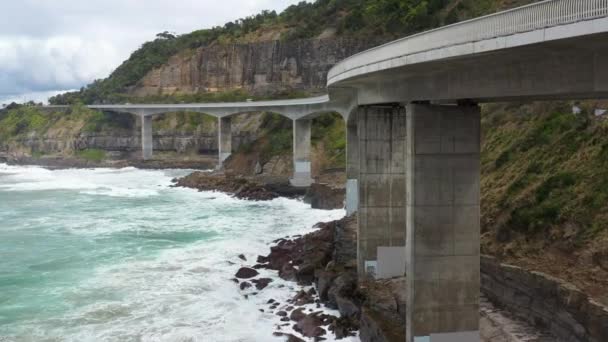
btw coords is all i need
(119, 255)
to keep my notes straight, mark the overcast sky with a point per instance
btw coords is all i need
(49, 46)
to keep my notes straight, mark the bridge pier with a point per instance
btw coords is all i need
(147, 143)
(443, 172)
(225, 139)
(352, 165)
(301, 153)
(381, 187)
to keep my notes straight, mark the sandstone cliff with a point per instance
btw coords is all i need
(262, 68)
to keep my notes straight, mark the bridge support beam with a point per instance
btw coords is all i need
(147, 143)
(382, 187)
(301, 153)
(443, 276)
(352, 165)
(225, 139)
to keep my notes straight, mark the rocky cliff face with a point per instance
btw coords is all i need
(260, 68)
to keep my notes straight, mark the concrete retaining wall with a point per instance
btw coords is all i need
(542, 300)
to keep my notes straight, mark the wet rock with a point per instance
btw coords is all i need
(246, 273)
(262, 283)
(303, 298)
(245, 285)
(240, 187)
(342, 289)
(242, 257)
(282, 313)
(262, 259)
(297, 315)
(310, 326)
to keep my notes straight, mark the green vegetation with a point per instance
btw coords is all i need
(22, 120)
(543, 169)
(329, 135)
(93, 155)
(184, 121)
(279, 136)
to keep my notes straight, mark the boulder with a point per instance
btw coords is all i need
(246, 273)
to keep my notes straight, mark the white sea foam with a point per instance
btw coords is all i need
(173, 251)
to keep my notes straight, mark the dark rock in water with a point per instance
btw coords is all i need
(259, 266)
(344, 327)
(270, 301)
(262, 283)
(242, 257)
(297, 315)
(282, 313)
(245, 285)
(234, 280)
(285, 319)
(246, 273)
(310, 326)
(240, 187)
(290, 337)
(288, 272)
(262, 259)
(303, 298)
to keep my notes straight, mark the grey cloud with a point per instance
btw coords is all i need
(65, 44)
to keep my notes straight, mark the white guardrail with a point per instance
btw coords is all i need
(522, 19)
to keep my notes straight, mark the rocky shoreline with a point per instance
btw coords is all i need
(324, 263)
(68, 162)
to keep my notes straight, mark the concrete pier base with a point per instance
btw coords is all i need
(301, 153)
(382, 187)
(224, 140)
(443, 223)
(352, 165)
(147, 144)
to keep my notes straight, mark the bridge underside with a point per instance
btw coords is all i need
(564, 69)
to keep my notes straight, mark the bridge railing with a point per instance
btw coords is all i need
(532, 17)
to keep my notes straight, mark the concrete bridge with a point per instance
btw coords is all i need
(413, 135)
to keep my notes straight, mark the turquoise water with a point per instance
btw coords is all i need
(119, 255)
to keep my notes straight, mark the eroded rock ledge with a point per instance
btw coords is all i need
(240, 187)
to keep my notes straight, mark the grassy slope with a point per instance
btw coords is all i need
(545, 189)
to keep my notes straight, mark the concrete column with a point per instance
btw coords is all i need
(382, 186)
(443, 223)
(301, 153)
(352, 165)
(147, 143)
(224, 139)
